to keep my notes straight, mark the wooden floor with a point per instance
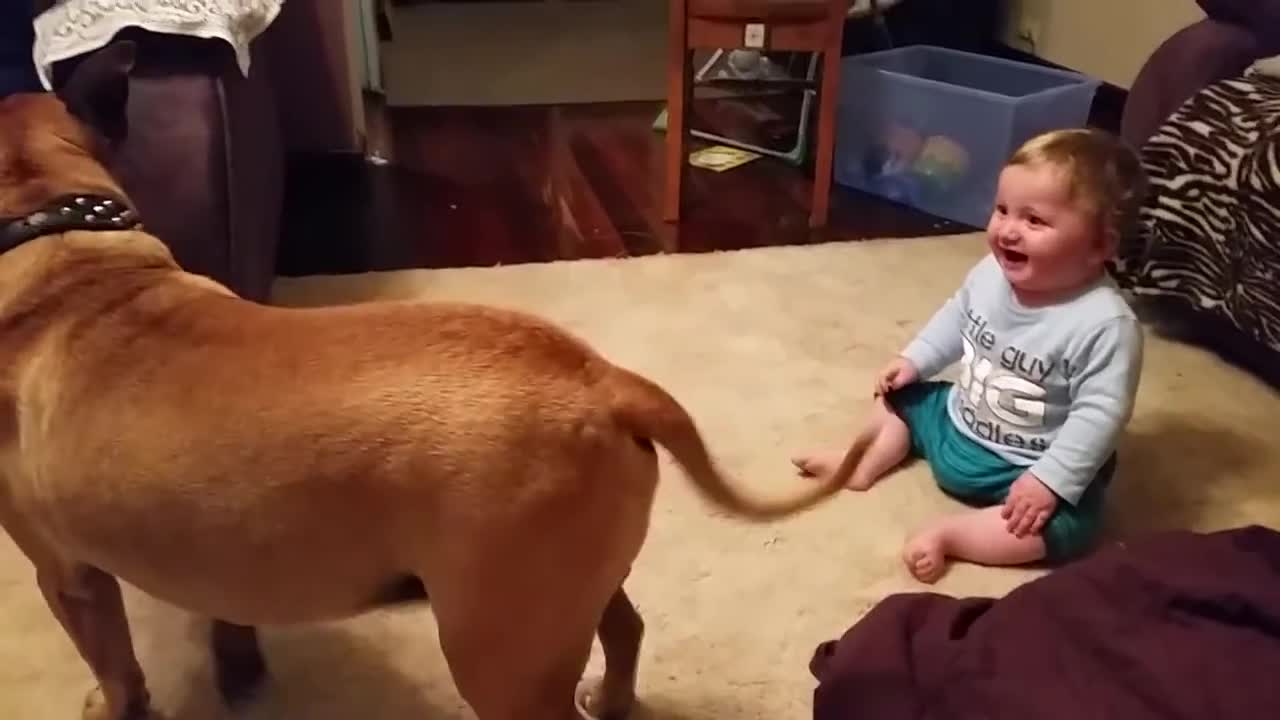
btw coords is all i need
(484, 186)
(503, 185)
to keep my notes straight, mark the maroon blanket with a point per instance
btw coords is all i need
(1177, 625)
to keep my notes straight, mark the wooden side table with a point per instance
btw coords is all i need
(786, 25)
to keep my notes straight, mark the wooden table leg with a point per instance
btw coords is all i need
(679, 94)
(828, 100)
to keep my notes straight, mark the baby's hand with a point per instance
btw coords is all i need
(898, 373)
(1029, 505)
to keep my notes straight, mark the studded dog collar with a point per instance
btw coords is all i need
(71, 212)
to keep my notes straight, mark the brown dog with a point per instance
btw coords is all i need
(263, 465)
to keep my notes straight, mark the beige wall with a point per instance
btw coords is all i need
(506, 53)
(1108, 39)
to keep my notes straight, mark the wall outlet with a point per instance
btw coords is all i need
(1029, 32)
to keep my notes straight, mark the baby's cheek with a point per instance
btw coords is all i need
(1059, 250)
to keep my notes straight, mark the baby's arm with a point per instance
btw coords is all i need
(939, 343)
(1104, 386)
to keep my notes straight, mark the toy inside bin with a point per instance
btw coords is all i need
(931, 127)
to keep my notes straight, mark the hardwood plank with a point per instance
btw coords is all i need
(586, 228)
(482, 186)
(487, 170)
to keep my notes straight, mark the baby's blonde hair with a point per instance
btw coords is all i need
(1101, 170)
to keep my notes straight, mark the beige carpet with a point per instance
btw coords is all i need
(771, 350)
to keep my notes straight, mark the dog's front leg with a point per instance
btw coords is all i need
(89, 605)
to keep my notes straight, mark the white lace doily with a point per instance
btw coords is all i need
(75, 27)
(862, 8)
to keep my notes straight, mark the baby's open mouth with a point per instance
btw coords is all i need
(1013, 257)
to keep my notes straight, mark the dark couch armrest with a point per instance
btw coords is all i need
(203, 159)
(1189, 60)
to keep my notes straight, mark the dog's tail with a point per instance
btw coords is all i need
(649, 412)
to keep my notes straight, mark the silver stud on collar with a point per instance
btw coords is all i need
(75, 212)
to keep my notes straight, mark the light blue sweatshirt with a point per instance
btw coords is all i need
(1049, 388)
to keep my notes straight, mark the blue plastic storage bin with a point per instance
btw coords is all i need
(932, 127)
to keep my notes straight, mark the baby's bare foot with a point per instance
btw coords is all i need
(820, 464)
(926, 555)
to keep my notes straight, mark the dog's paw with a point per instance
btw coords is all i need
(596, 703)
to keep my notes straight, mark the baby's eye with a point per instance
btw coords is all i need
(1001, 209)
(1036, 221)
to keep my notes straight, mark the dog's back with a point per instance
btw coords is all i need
(268, 437)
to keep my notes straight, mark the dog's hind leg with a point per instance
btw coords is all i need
(517, 626)
(621, 630)
(513, 656)
(88, 603)
(237, 660)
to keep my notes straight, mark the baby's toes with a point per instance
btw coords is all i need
(911, 557)
(928, 569)
(803, 463)
(925, 558)
(811, 464)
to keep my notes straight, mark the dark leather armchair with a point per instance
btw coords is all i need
(203, 159)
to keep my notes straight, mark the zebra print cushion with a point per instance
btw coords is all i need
(1210, 229)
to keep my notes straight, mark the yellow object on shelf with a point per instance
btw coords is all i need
(721, 157)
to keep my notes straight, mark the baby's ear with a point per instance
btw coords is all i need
(1109, 241)
(1105, 241)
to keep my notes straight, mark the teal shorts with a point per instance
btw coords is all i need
(977, 476)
